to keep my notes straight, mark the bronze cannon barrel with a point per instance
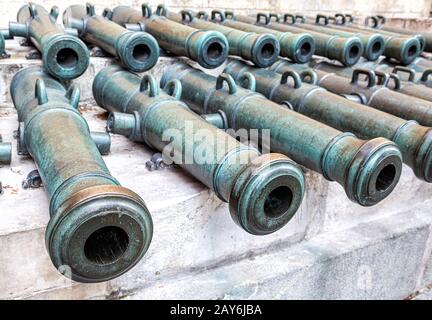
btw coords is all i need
(64, 55)
(209, 48)
(263, 191)
(414, 140)
(137, 51)
(358, 165)
(97, 228)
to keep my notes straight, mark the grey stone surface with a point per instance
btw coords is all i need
(375, 260)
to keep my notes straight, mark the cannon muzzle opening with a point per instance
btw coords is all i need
(138, 51)
(99, 233)
(65, 56)
(374, 47)
(374, 172)
(267, 194)
(210, 49)
(304, 48)
(265, 51)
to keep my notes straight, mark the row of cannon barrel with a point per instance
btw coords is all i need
(355, 126)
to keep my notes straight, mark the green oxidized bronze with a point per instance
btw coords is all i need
(263, 191)
(208, 48)
(262, 49)
(394, 77)
(5, 152)
(358, 165)
(298, 47)
(346, 50)
(137, 51)
(427, 36)
(369, 93)
(64, 55)
(373, 44)
(98, 229)
(3, 53)
(401, 48)
(414, 140)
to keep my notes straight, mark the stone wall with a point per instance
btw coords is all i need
(389, 8)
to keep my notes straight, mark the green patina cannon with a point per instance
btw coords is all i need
(5, 152)
(208, 48)
(399, 78)
(64, 55)
(263, 191)
(368, 170)
(137, 51)
(368, 92)
(404, 49)
(298, 47)
(346, 50)
(414, 140)
(262, 49)
(98, 229)
(373, 44)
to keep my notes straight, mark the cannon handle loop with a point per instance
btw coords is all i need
(91, 11)
(262, 15)
(301, 17)
(230, 15)
(224, 77)
(381, 20)
(161, 10)
(149, 82)
(340, 19)
(33, 10)
(321, 16)
(396, 81)
(107, 13)
(309, 76)
(54, 13)
(425, 75)
(249, 79)
(401, 69)
(349, 18)
(40, 92)
(370, 75)
(173, 88)
(374, 22)
(187, 16)
(73, 94)
(274, 15)
(219, 13)
(383, 78)
(146, 10)
(289, 16)
(202, 15)
(291, 74)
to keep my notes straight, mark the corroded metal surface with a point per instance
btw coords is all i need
(98, 229)
(357, 165)
(208, 48)
(298, 47)
(414, 140)
(137, 51)
(400, 78)
(369, 93)
(263, 191)
(5, 152)
(262, 49)
(373, 44)
(63, 55)
(346, 50)
(403, 49)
